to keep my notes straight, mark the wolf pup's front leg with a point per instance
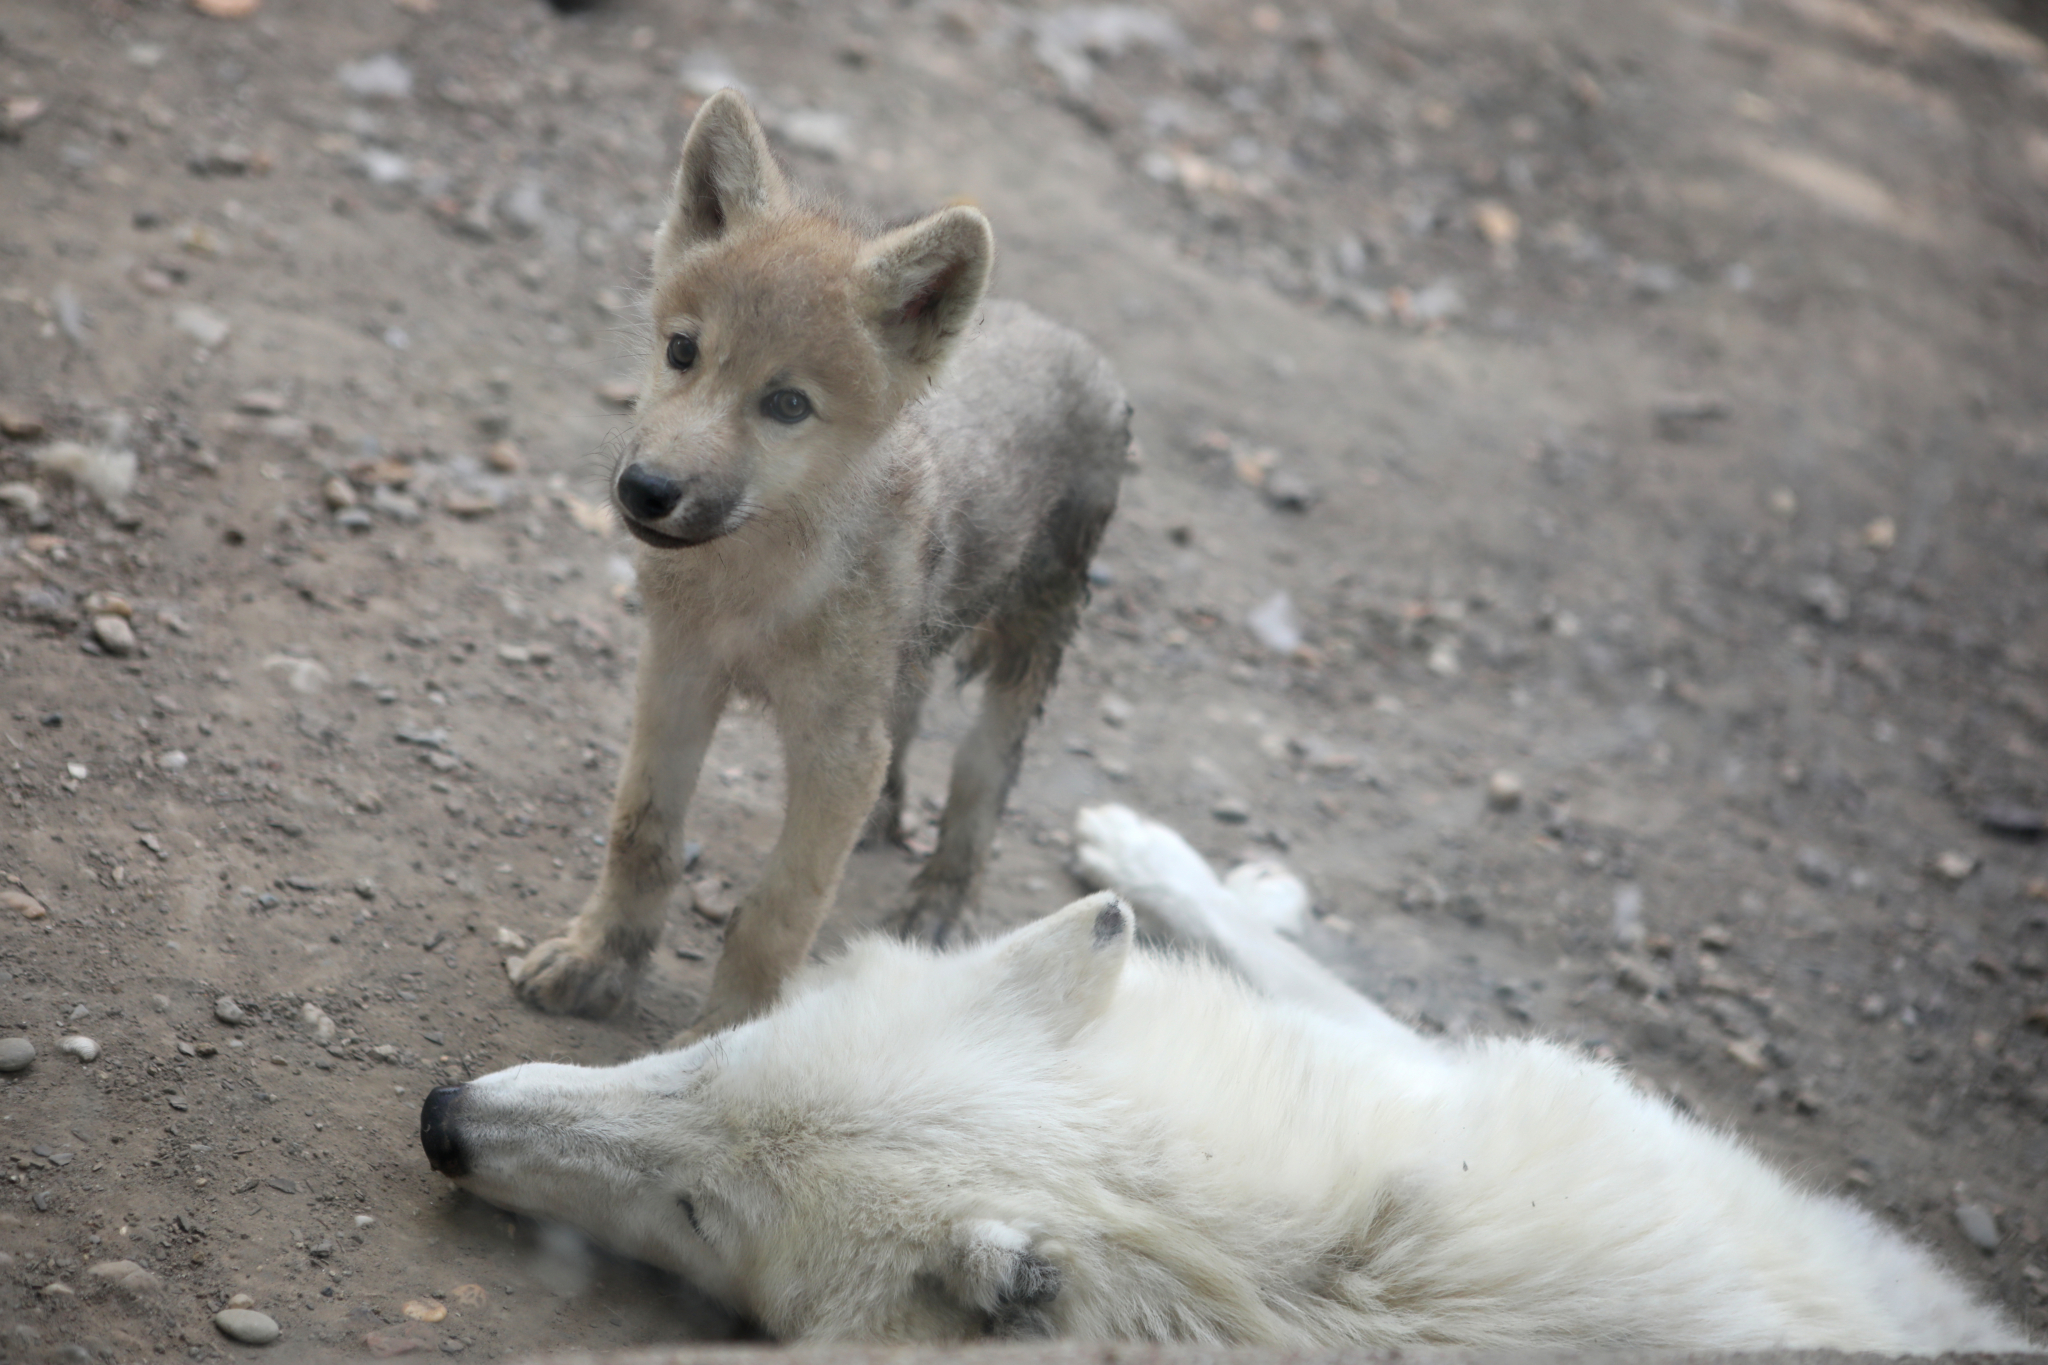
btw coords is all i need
(593, 967)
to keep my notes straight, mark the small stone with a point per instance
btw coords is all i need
(1979, 1225)
(451, 1346)
(79, 1046)
(173, 760)
(246, 1325)
(382, 77)
(227, 9)
(1503, 791)
(385, 1345)
(385, 1052)
(1287, 491)
(1274, 624)
(240, 1301)
(1629, 929)
(19, 422)
(338, 493)
(1750, 1052)
(1953, 866)
(364, 1220)
(468, 505)
(202, 324)
(318, 1020)
(114, 635)
(23, 904)
(16, 1053)
(512, 940)
(125, 1275)
(1232, 810)
(425, 1310)
(1116, 711)
(228, 1012)
(1873, 1008)
(505, 457)
(1881, 534)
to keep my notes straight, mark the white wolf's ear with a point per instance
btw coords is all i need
(992, 1268)
(924, 282)
(1064, 968)
(727, 175)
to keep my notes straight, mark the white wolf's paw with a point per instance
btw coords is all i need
(1270, 894)
(561, 976)
(1120, 850)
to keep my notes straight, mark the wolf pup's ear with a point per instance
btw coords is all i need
(1063, 969)
(992, 1268)
(926, 280)
(727, 177)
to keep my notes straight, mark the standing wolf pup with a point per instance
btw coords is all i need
(842, 462)
(1051, 1133)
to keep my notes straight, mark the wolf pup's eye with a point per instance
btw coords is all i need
(788, 406)
(682, 351)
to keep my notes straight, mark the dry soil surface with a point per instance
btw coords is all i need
(1645, 400)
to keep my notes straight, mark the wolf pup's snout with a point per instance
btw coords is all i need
(646, 495)
(437, 1131)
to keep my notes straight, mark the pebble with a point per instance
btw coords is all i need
(1629, 930)
(381, 77)
(16, 1053)
(1503, 790)
(23, 904)
(318, 1020)
(226, 9)
(1273, 622)
(125, 1274)
(505, 457)
(173, 760)
(385, 1345)
(19, 422)
(1231, 810)
(114, 635)
(227, 1011)
(79, 1046)
(338, 493)
(241, 1301)
(425, 1310)
(1953, 866)
(1978, 1225)
(246, 1325)
(202, 324)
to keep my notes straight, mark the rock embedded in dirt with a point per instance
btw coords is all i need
(16, 1053)
(1504, 790)
(126, 1275)
(1979, 1225)
(114, 635)
(246, 1325)
(79, 1046)
(228, 1012)
(23, 904)
(385, 1345)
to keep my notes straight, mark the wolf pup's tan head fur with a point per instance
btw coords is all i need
(786, 340)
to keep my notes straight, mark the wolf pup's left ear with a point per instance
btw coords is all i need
(1063, 969)
(992, 1268)
(727, 176)
(924, 282)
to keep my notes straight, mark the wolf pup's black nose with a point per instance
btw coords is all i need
(646, 495)
(437, 1132)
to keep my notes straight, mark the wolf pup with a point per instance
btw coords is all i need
(843, 463)
(1055, 1134)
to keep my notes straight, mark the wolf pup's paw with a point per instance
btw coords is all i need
(561, 976)
(930, 918)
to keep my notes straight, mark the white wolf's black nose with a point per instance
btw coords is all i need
(437, 1131)
(645, 495)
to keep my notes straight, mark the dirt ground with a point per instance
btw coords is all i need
(1649, 401)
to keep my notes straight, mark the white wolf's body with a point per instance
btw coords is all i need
(1052, 1133)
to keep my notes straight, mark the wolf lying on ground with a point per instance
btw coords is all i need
(842, 462)
(1051, 1133)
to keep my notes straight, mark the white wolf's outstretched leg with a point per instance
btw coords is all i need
(1153, 868)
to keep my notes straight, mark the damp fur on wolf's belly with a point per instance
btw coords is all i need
(1052, 1133)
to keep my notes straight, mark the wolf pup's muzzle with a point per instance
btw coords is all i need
(437, 1131)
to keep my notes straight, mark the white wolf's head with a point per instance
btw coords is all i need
(874, 1158)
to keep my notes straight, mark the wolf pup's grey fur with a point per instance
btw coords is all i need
(844, 461)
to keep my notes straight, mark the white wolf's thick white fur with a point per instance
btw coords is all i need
(1052, 1133)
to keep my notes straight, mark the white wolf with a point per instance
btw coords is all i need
(1051, 1133)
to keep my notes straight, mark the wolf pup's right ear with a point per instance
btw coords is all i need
(727, 176)
(1064, 968)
